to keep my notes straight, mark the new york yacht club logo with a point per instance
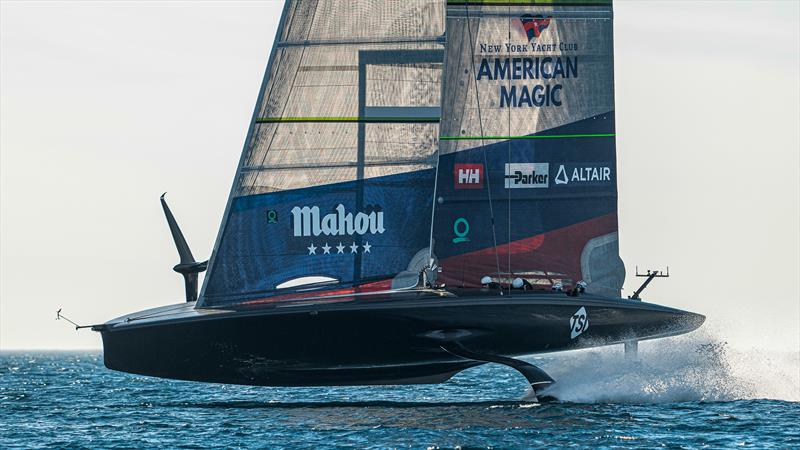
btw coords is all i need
(308, 221)
(534, 25)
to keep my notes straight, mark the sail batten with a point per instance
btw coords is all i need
(374, 119)
(537, 136)
(361, 41)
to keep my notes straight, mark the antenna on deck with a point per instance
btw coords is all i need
(632, 347)
(651, 274)
(188, 267)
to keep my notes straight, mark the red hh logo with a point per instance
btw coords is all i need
(468, 176)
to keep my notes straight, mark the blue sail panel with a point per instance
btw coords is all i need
(541, 186)
(355, 232)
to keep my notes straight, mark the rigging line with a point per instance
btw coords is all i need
(438, 152)
(483, 146)
(294, 79)
(433, 206)
(508, 161)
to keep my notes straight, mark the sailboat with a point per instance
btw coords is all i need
(425, 186)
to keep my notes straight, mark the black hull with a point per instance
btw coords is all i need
(393, 339)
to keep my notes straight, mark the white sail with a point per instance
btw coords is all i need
(336, 65)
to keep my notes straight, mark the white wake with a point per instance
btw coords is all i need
(695, 367)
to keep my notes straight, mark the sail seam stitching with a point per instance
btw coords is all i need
(483, 146)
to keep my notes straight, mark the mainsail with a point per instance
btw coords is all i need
(336, 178)
(527, 173)
(380, 144)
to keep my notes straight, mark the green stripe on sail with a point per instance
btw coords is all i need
(535, 136)
(530, 2)
(347, 119)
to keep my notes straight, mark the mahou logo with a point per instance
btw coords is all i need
(307, 222)
(468, 176)
(578, 323)
(534, 25)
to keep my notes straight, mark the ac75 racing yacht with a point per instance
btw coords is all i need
(425, 186)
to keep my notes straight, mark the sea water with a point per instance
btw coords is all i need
(690, 392)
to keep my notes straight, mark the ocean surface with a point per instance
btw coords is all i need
(679, 393)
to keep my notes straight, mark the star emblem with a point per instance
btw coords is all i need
(326, 249)
(340, 248)
(354, 248)
(311, 249)
(366, 247)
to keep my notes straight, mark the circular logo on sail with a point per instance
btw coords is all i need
(461, 230)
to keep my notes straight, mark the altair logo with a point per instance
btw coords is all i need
(589, 173)
(534, 25)
(307, 222)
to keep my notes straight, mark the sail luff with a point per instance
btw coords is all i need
(291, 85)
(247, 142)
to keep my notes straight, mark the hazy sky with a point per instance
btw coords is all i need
(104, 106)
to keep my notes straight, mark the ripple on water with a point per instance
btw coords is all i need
(69, 399)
